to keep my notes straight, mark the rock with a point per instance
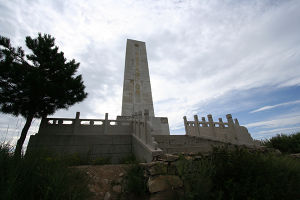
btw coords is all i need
(277, 151)
(107, 196)
(117, 188)
(150, 164)
(159, 168)
(188, 157)
(91, 188)
(119, 180)
(105, 181)
(295, 155)
(166, 195)
(170, 157)
(121, 174)
(163, 183)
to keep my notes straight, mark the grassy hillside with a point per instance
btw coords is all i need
(39, 176)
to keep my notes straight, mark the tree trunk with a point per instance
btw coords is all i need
(22, 138)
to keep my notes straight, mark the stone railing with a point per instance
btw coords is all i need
(69, 126)
(230, 131)
(142, 129)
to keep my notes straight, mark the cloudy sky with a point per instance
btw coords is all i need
(208, 56)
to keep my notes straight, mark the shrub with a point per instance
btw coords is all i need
(285, 143)
(101, 161)
(196, 176)
(240, 174)
(135, 182)
(40, 176)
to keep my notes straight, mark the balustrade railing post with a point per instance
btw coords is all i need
(197, 125)
(106, 124)
(76, 123)
(185, 125)
(211, 125)
(221, 125)
(204, 122)
(231, 126)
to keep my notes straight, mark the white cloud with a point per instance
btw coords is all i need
(279, 121)
(198, 51)
(275, 106)
(280, 130)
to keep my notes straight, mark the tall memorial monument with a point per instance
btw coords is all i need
(137, 95)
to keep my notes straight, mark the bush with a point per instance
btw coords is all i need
(285, 143)
(39, 176)
(135, 182)
(240, 174)
(196, 177)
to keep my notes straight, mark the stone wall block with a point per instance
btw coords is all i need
(164, 183)
(159, 168)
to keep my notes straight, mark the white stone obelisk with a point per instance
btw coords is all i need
(137, 95)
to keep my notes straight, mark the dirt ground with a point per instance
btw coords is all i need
(106, 180)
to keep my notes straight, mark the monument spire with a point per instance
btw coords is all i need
(137, 95)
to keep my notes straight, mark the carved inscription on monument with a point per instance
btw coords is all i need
(137, 94)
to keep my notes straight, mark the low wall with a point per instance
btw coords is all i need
(115, 147)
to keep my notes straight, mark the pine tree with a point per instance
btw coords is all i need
(37, 84)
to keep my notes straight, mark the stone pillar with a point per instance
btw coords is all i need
(106, 124)
(185, 125)
(211, 126)
(197, 129)
(76, 123)
(221, 123)
(204, 122)
(236, 122)
(229, 120)
(233, 136)
(210, 120)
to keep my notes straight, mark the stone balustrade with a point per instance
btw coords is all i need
(229, 132)
(77, 126)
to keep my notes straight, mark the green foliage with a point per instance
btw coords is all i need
(39, 83)
(240, 174)
(285, 143)
(135, 182)
(75, 159)
(101, 161)
(39, 176)
(196, 177)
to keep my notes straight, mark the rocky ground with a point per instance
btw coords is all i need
(106, 180)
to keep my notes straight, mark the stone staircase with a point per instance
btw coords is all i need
(184, 143)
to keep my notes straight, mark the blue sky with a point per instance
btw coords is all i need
(205, 57)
